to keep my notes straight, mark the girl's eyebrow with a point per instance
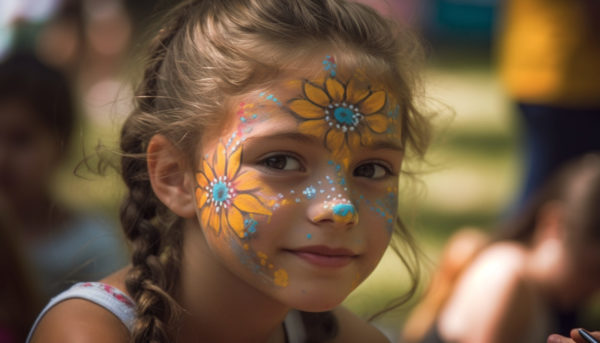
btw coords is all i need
(311, 139)
(292, 135)
(388, 145)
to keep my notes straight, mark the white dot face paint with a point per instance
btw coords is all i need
(300, 197)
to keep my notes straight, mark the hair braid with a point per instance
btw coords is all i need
(153, 230)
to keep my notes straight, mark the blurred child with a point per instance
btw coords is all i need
(36, 120)
(518, 287)
(262, 163)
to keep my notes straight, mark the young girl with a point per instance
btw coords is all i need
(262, 163)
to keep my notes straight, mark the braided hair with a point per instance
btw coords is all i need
(152, 230)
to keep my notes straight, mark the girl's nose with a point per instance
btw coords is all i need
(337, 213)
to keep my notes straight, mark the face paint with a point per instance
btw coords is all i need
(344, 115)
(228, 201)
(347, 115)
(344, 210)
(270, 197)
(270, 97)
(310, 192)
(224, 195)
(330, 65)
(281, 278)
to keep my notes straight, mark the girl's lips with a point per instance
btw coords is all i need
(324, 256)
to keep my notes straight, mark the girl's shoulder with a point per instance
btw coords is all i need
(352, 328)
(79, 320)
(87, 312)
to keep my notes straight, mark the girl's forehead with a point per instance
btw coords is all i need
(345, 111)
(347, 86)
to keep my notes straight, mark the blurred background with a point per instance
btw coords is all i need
(474, 170)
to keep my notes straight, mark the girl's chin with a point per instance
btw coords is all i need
(315, 303)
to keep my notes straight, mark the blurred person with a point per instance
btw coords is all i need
(527, 281)
(549, 53)
(36, 119)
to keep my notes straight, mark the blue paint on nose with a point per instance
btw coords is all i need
(343, 209)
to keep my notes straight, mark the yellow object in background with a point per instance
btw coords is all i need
(550, 51)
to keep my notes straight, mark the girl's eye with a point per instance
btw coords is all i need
(371, 171)
(282, 162)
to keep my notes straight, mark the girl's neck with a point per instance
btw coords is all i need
(221, 306)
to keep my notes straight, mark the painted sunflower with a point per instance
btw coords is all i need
(225, 196)
(343, 114)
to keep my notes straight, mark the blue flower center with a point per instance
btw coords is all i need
(220, 192)
(344, 115)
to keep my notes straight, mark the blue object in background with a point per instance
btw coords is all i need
(459, 23)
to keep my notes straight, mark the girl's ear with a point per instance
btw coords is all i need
(170, 179)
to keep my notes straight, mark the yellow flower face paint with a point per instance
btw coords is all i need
(345, 115)
(228, 202)
(225, 197)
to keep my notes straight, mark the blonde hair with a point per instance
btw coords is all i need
(207, 52)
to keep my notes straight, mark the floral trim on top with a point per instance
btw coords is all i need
(117, 294)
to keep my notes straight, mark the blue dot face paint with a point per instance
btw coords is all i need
(330, 65)
(250, 226)
(310, 192)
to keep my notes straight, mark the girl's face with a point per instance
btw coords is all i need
(298, 195)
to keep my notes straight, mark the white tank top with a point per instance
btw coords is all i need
(123, 307)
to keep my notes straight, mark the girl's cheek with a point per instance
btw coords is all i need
(382, 206)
